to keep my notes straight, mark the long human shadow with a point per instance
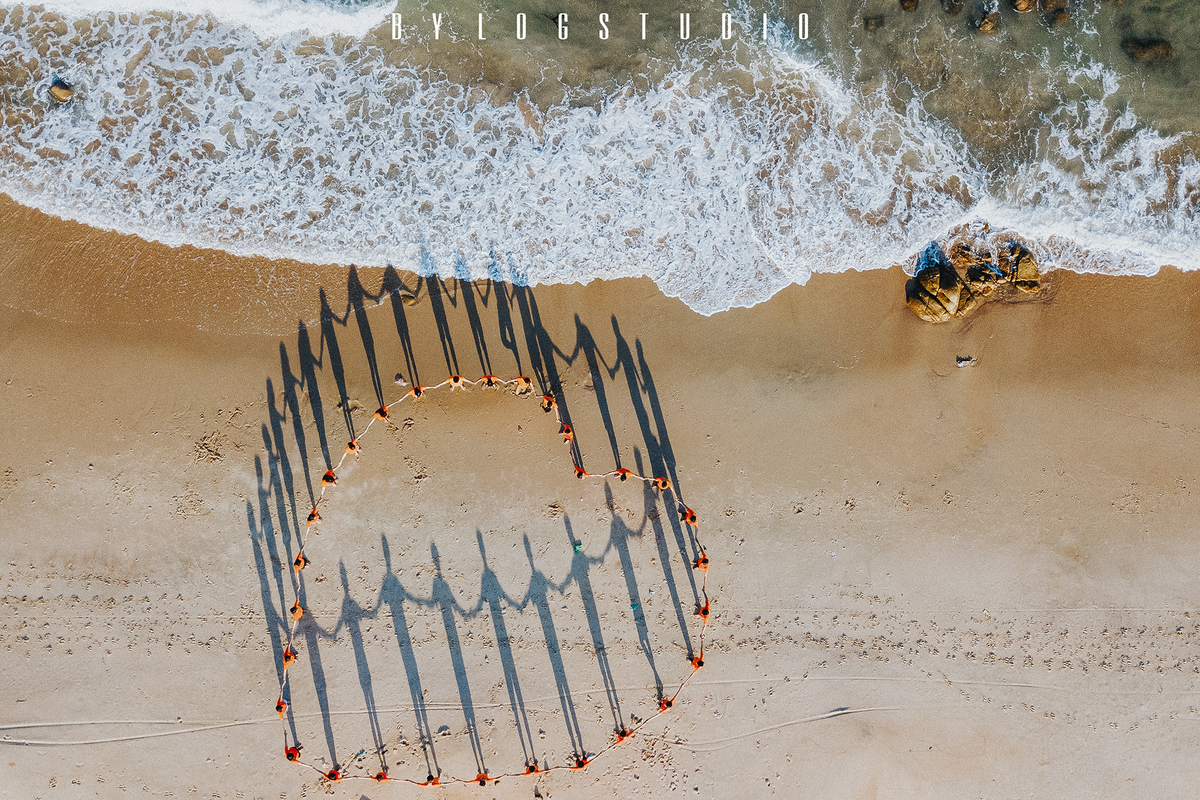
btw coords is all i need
(308, 381)
(435, 289)
(661, 441)
(523, 333)
(268, 486)
(466, 291)
(543, 368)
(618, 539)
(493, 594)
(357, 296)
(661, 462)
(393, 595)
(263, 537)
(539, 595)
(352, 615)
(329, 344)
(291, 405)
(658, 441)
(443, 598)
(652, 424)
(581, 563)
(279, 463)
(395, 289)
(650, 505)
(279, 474)
(508, 334)
(543, 357)
(587, 345)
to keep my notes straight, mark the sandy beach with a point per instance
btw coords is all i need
(926, 580)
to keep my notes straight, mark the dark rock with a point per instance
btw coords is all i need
(1020, 267)
(1054, 12)
(61, 90)
(937, 293)
(909, 5)
(1150, 50)
(1056, 18)
(988, 17)
(952, 6)
(872, 24)
(953, 285)
(982, 275)
(932, 306)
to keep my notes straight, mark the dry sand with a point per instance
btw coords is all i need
(991, 569)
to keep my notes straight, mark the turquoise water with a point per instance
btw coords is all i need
(724, 169)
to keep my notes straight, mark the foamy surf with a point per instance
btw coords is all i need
(268, 18)
(733, 175)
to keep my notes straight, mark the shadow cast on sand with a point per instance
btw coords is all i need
(277, 540)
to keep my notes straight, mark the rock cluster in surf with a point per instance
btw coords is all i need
(971, 270)
(985, 17)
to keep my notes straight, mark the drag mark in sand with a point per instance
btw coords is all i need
(523, 387)
(127, 738)
(718, 744)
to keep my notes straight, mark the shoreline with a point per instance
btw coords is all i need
(993, 565)
(42, 248)
(249, 294)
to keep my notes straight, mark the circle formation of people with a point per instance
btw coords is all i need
(523, 386)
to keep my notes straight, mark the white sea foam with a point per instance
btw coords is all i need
(197, 132)
(268, 18)
(1106, 194)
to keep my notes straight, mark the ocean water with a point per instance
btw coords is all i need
(722, 168)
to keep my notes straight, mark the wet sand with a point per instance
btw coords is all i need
(988, 572)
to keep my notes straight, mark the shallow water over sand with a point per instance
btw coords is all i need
(724, 169)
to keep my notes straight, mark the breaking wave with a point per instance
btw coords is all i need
(734, 173)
